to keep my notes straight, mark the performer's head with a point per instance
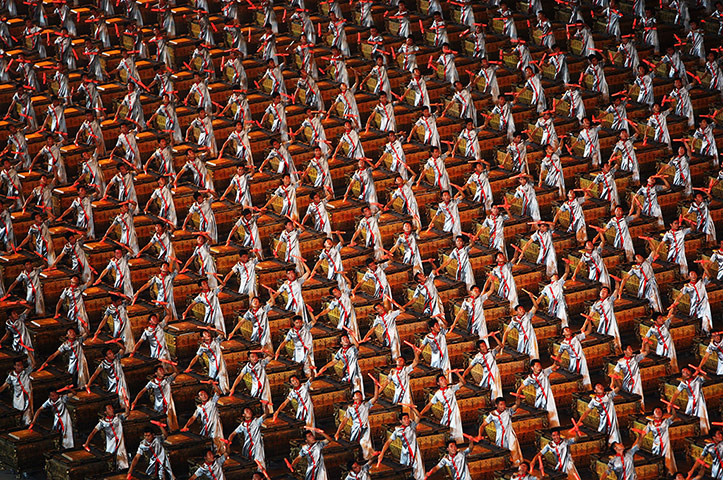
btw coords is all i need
(500, 258)
(379, 308)
(567, 332)
(203, 395)
(434, 326)
(18, 365)
(618, 448)
(536, 366)
(248, 413)
(401, 362)
(523, 468)
(148, 434)
(109, 354)
(209, 457)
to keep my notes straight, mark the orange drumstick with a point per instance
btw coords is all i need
(670, 404)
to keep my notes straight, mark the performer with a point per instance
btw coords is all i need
(560, 448)
(358, 414)
(18, 380)
(399, 377)
(502, 273)
(213, 315)
(455, 461)
(342, 303)
(112, 425)
(572, 345)
(714, 449)
(715, 346)
(623, 463)
(159, 463)
(526, 337)
(449, 209)
(700, 207)
(300, 395)
(259, 381)
(253, 439)
(437, 341)
(211, 348)
(369, 226)
(543, 236)
(410, 454)
(164, 283)
(629, 366)
(303, 343)
(494, 223)
(650, 207)
(450, 410)
(114, 375)
(388, 323)
(207, 413)
(665, 347)
(348, 355)
(461, 255)
(675, 238)
(245, 269)
(156, 337)
(312, 452)
(289, 239)
(603, 403)
(159, 387)
(698, 294)
(427, 291)
(659, 427)
(554, 292)
(487, 360)
(620, 226)
(473, 307)
(18, 332)
(544, 399)
(410, 207)
(692, 383)
(525, 192)
(62, 422)
(501, 418)
(212, 466)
